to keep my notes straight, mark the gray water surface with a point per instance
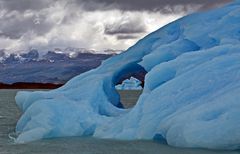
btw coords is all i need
(9, 114)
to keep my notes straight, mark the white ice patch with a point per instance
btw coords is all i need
(130, 84)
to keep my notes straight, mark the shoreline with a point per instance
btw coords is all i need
(24, 85)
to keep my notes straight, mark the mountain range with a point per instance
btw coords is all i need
(56, 66)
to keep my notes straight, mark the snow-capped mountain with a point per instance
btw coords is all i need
(51, 55)
(31, 55)
(57, 66)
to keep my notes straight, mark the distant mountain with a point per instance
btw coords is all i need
(31, 55)
(56, 66)
(51, 55)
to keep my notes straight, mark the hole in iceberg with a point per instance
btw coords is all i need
(159, 138)
(130, 85)
(129, 91)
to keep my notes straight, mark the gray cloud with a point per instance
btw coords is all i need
(14, 26)
(126, 26)
(149, 5)
(126, 37)
(82, 23)
(17, 25)
(23, 5)
(91, 5)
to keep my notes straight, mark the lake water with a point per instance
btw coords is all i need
(9, 114)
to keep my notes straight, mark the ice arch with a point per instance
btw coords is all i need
(89, 98)
(190, 98)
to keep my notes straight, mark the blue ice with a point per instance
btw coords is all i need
(190, 98)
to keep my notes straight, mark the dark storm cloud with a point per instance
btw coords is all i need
(126, 26)
(90, 5)
(15, 26)
(126, 37)
(23, 5)
(149, 5)
(9, 35)
(40, 23)
(15, 22)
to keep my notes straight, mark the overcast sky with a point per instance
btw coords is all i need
(91, 24)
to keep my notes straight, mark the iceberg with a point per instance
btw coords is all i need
(190, 97)
(130, 84)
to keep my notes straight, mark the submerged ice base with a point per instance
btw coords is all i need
(190, 98)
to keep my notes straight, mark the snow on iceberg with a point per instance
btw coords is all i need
(190, 98)
(130, 84)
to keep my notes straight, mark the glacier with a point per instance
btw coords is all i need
(190, 97)
(130, 84)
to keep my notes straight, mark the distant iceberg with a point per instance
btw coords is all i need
(130, 84)
(190, 97)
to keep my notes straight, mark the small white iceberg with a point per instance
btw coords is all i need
(130, 84)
